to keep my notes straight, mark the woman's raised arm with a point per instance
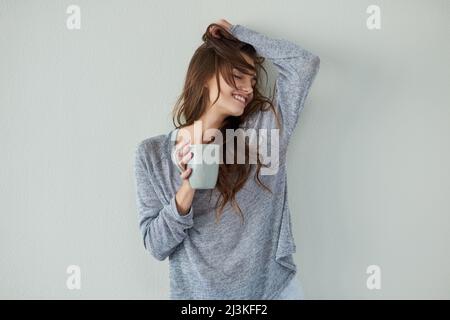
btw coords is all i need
(297, 68)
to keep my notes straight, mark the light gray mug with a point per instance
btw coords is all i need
(205, 165)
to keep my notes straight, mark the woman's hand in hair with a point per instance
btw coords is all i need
(215, 31)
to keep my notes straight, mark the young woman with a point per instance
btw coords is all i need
(234, 241)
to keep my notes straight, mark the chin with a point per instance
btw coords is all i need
(234, 111)
(237, 112)
(231, 107)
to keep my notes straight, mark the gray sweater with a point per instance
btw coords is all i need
(231, 259)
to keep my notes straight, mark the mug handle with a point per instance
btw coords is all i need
(174, 160)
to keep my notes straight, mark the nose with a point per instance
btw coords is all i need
(247, 88)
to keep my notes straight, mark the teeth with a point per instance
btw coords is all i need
(238, 97)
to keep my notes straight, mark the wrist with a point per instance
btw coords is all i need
(186, 187)
(183, 199)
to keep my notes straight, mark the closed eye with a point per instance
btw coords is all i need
(253, 80)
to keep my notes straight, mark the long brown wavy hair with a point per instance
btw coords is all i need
(214, 56)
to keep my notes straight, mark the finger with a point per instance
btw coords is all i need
(182, 155)
(185, 150)
(186, 173)
(180, 149)
(182, 145)
(215, 32)
(181, 170)
(186, 159)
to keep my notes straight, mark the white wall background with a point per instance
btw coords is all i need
(368, 165)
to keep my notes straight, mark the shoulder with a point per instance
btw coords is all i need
(152, 150)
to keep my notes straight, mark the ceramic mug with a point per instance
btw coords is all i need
(205, 165)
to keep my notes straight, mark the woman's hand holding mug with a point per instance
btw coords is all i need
(185, 194)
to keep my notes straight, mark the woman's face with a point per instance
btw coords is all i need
(232, 102)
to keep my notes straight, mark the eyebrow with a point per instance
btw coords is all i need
(252, 74)
(254, 78)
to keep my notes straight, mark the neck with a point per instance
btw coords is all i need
(211, 120)
(196, 131)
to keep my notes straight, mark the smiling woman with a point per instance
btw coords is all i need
(233, 241)
(241, 77)
(222, 91)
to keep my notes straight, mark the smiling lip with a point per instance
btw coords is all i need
(244, 96)
(243, 103)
